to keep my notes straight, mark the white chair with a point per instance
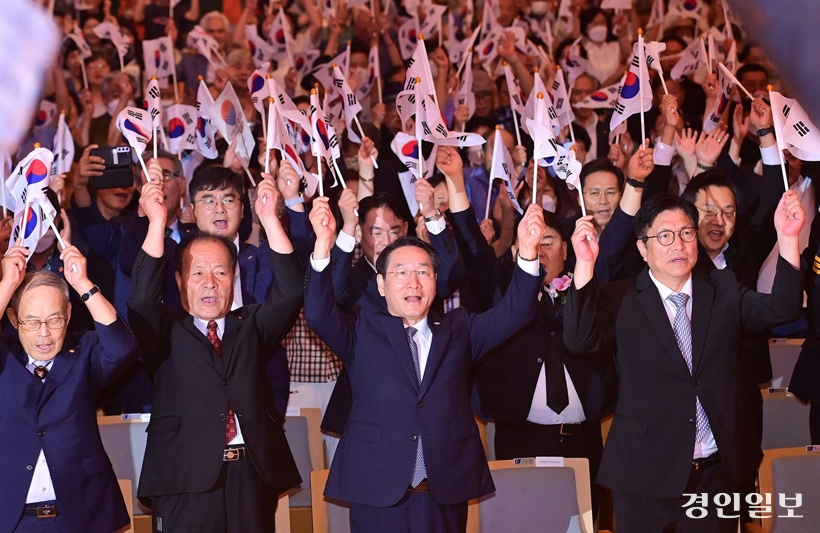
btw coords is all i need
(124, 442)
(305, 440)
(783, 354)
(785, 421)
(789, 471)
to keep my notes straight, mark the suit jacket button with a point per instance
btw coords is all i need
(226, 382)
(41, 433)
(539, 360)
(696, 383)
(414, 437)
(29, 467)
(552, 334)
(222, 417)
(420, 405)
(691, 422)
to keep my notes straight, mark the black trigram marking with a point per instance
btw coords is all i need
(154, 92)
(136, 114)
(801, 129)
(620, 108)
(187, 118)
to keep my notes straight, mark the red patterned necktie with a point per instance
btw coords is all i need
(230, 423)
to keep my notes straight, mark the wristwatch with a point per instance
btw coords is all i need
(94, 290)
(765, 131)
(635, 183)
(433, 218)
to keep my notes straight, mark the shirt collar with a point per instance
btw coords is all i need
(236, 242)
(423, 328)
(34, 362)
(666, 291)
(202, 325)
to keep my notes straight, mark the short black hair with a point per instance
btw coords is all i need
(711, 178)
(384, 257)
(213, 178)
(582, 136)
(750, 68)
(186, 243)
(551, 220)
(588, 15)
(384, 199)
(602, 164)
(658, 204)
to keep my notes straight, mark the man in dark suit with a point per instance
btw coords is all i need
(217, 456)
(679, 424)
(56, 475)
(410, 457)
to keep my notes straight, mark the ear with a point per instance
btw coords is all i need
(12, 317)
(68, 312)
(178, 279)
(404, 228)
(564, 250)
(642, 249)
(192, 211)
(380, 283)
(358, 233)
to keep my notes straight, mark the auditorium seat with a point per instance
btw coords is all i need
(785, 421)
(305, 441)
(783, 354)
(125, 488)
(790, 471)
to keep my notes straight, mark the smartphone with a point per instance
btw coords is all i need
(119, 168)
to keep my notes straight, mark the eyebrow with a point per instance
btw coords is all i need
(55, 313)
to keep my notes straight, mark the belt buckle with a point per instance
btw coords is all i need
(561, 429)
(421, 487)
(48, 511)
(230, 454)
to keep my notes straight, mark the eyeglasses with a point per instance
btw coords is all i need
(666, 238)
(596, 193)
(96, 66)
(209, 202)
(168, 175)
(483, 95)
(404, 274)
(710, 213)
(52, 323)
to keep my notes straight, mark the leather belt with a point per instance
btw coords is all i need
(569, 429)
(703, 462)
(41, 511)
(234, 453)
(422, 487)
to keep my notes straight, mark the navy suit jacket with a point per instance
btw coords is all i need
(59, 417)
(375, 458)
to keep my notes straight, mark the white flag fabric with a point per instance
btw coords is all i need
(617, 4)
(568, 168)
(109, 30)
(652, 51)
(489, 20)
(408, 38)
(544, 146)
(279, 35)
(280, 140)
(693, 9)
(503, 167)
(303, 62)
(532, 108)
(795, 130)
(373, 72)
(605, 98)
(351, 104)
(656, 15)
(182, 123)
(205, 130)
(259, 88)
(324, 72)
(516, 94)
(153, 103)
(432, 20)
(159, 57)
(205, 45)
(261, 50)
(135, 125)
(418, 67)
(286, 107)
(465, 94)
(629, 101)
(457, 49)
(227, 115)
(408, 187)
(689, 62)
(573, 62)
(713, 118)
(322, 137)
(77, 36)
(63, 148)
(406, 148)
(560, 100)
(26, 186)
(487, 49)
(45, 115)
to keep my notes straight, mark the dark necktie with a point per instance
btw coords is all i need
(557, 393)
(230, 423)
(41, 371)
(419, 470)
(683, 334)
(168, 232)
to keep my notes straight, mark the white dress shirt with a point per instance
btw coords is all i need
(423, 339)
(202, 325)
(720, 259)
(237, 283)
(708, 446)
(41, 488)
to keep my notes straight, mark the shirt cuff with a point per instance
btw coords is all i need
(769, 155)
(530, 267)
(436, 226)
(319, 264)
(345, 242)
(663, 154)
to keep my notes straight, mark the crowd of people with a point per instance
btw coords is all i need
(218, 292)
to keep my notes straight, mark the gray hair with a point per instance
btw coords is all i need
(43, 278)
(215, 14)
(168, 156)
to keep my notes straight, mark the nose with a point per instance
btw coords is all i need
(720, 218)
(220, 207)
(43, 330)
(210, 281)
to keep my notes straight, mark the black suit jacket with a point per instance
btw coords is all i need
(193, 385)
(651, 442)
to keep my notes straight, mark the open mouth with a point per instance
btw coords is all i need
(221, 224)
(412, 299)
(43, 348)
(715, 235)
(209, 300)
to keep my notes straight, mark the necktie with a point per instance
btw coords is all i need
(41, 371)
(168, 232)
(419, 470)
(683, 334)
(557, 393)
(230, 422)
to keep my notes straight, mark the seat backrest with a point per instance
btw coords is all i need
(785, 421)
(296, 431)
(794, 475)
(329, 516)
(282, 518)
(124, 442)
(783, 354)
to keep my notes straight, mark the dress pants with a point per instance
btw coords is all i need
(535, 440)
(642, 514)
(416, 512)
(239, 502)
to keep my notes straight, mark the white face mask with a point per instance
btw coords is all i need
(548, 203)
(45, 242)
(434, 70)
(539, 9)
(112, 105)
(597, 34)
(475, 155)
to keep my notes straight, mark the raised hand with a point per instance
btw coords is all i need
(425, 196)
(531, 230)
(152, 203)
(740, 125)
(710, 86)
(324, 226)
(57, 184)
(761, 115)
(75, 271)
(789, 216)
(685, 142)
(449, 161)
(710, 145)
(90, 166)
(519, 155)
(641, 164)
(287, 180)
(487, 229)
(367, 150)
(617, 157)
(267, 201)
(349, 206)
(13, 266)
(669, 111)
(65, 233)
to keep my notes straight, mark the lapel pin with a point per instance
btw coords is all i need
(71, 350)
(437, 323)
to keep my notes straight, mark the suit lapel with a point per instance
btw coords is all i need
(212, 358)
(59, 370)
(441, 336)
(232, 323)
(702, 295)
(650, 301)
(394, 329)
